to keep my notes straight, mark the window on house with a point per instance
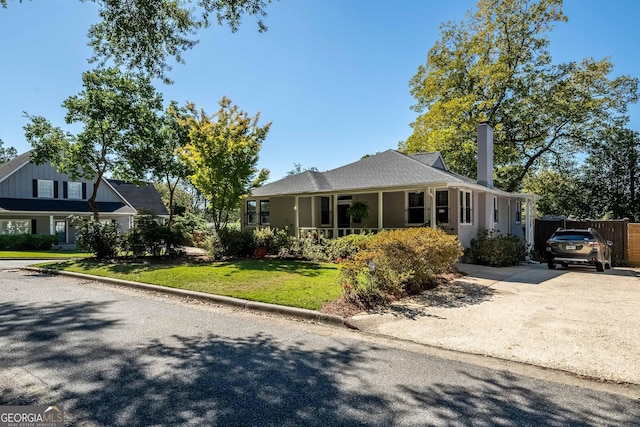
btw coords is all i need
(518, 211)
(251, 212)
(45, 188)
(264, 212)
(442, 207)
(416, 208)
(74, 190)
(15, 226)
(495, 210)
(325, 211)
(465, 207)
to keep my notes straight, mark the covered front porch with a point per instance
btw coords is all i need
(460, 210)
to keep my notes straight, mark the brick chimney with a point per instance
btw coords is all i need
(485, 154)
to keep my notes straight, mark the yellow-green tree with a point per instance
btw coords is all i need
(495, 66)
(222, 155)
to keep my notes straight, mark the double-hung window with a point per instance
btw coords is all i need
(45, 188)
(251, 212)
(415, 214)
(74, 190)
(442, 207)
(466, 208)
(264, 212)
(495, 210)
(518, 211)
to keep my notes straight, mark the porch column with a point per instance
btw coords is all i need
(529, 221)
(432, 219)
(380, 211)
(52, 228)
(335, 216)
(297, 223)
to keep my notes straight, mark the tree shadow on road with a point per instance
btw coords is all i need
(205, 379)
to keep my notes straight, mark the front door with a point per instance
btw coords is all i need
(344, 220)
(61, 231)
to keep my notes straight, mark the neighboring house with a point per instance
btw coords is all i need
(37, 199)
(400, 190)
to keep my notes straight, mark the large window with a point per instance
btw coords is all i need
(326, 218)
(442, 207)
(15, 226)
(495, 210)
(74, 190)
(466, 208)
(251, 212)
(45, 188)
(264, 212)
(416, 208)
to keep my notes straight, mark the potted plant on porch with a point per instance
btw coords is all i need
(358, 210)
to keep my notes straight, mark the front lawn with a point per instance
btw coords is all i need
(293, 283)
(41, 254)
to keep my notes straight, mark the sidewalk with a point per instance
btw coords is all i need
(575, 320)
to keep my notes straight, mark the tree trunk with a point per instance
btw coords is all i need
(92, 200)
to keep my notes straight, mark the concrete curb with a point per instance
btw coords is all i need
(300, 313)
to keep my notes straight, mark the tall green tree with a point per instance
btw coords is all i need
(144, 35)
(118, 112)
(611, 176)
(6, 154)
(159, 154)
(560, 192)
(495, 66)
(222, 155)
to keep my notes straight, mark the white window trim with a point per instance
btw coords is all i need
(424, 207)
(435, 195)
(78, 186)
(3, 225)
(41, 186)
(462, 205)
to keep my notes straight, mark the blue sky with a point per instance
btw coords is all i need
(331, 75)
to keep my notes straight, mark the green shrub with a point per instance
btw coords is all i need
(213, 245)
(102, 240)
(392, 263)
(149, 237)
(314, 247)
(192, 228)
(237, 242)
(496, 249)
(27, 241)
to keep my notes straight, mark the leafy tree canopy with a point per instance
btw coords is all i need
(297, 168)
(495, 66)
(118, 112)
(6, 154)
(222, 155)
(144, 34)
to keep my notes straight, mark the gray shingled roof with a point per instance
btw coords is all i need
(383, 170)
(144, 197)
(12, 165)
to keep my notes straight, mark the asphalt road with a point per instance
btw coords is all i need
(118, 357)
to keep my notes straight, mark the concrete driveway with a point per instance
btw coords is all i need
(572, 319)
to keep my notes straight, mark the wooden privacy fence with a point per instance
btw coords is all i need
(614, 230)
(633, 233)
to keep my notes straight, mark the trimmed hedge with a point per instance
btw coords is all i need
(496, 249)
(27, 241)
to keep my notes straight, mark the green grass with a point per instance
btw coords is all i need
(285, 282)
(40, 254)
